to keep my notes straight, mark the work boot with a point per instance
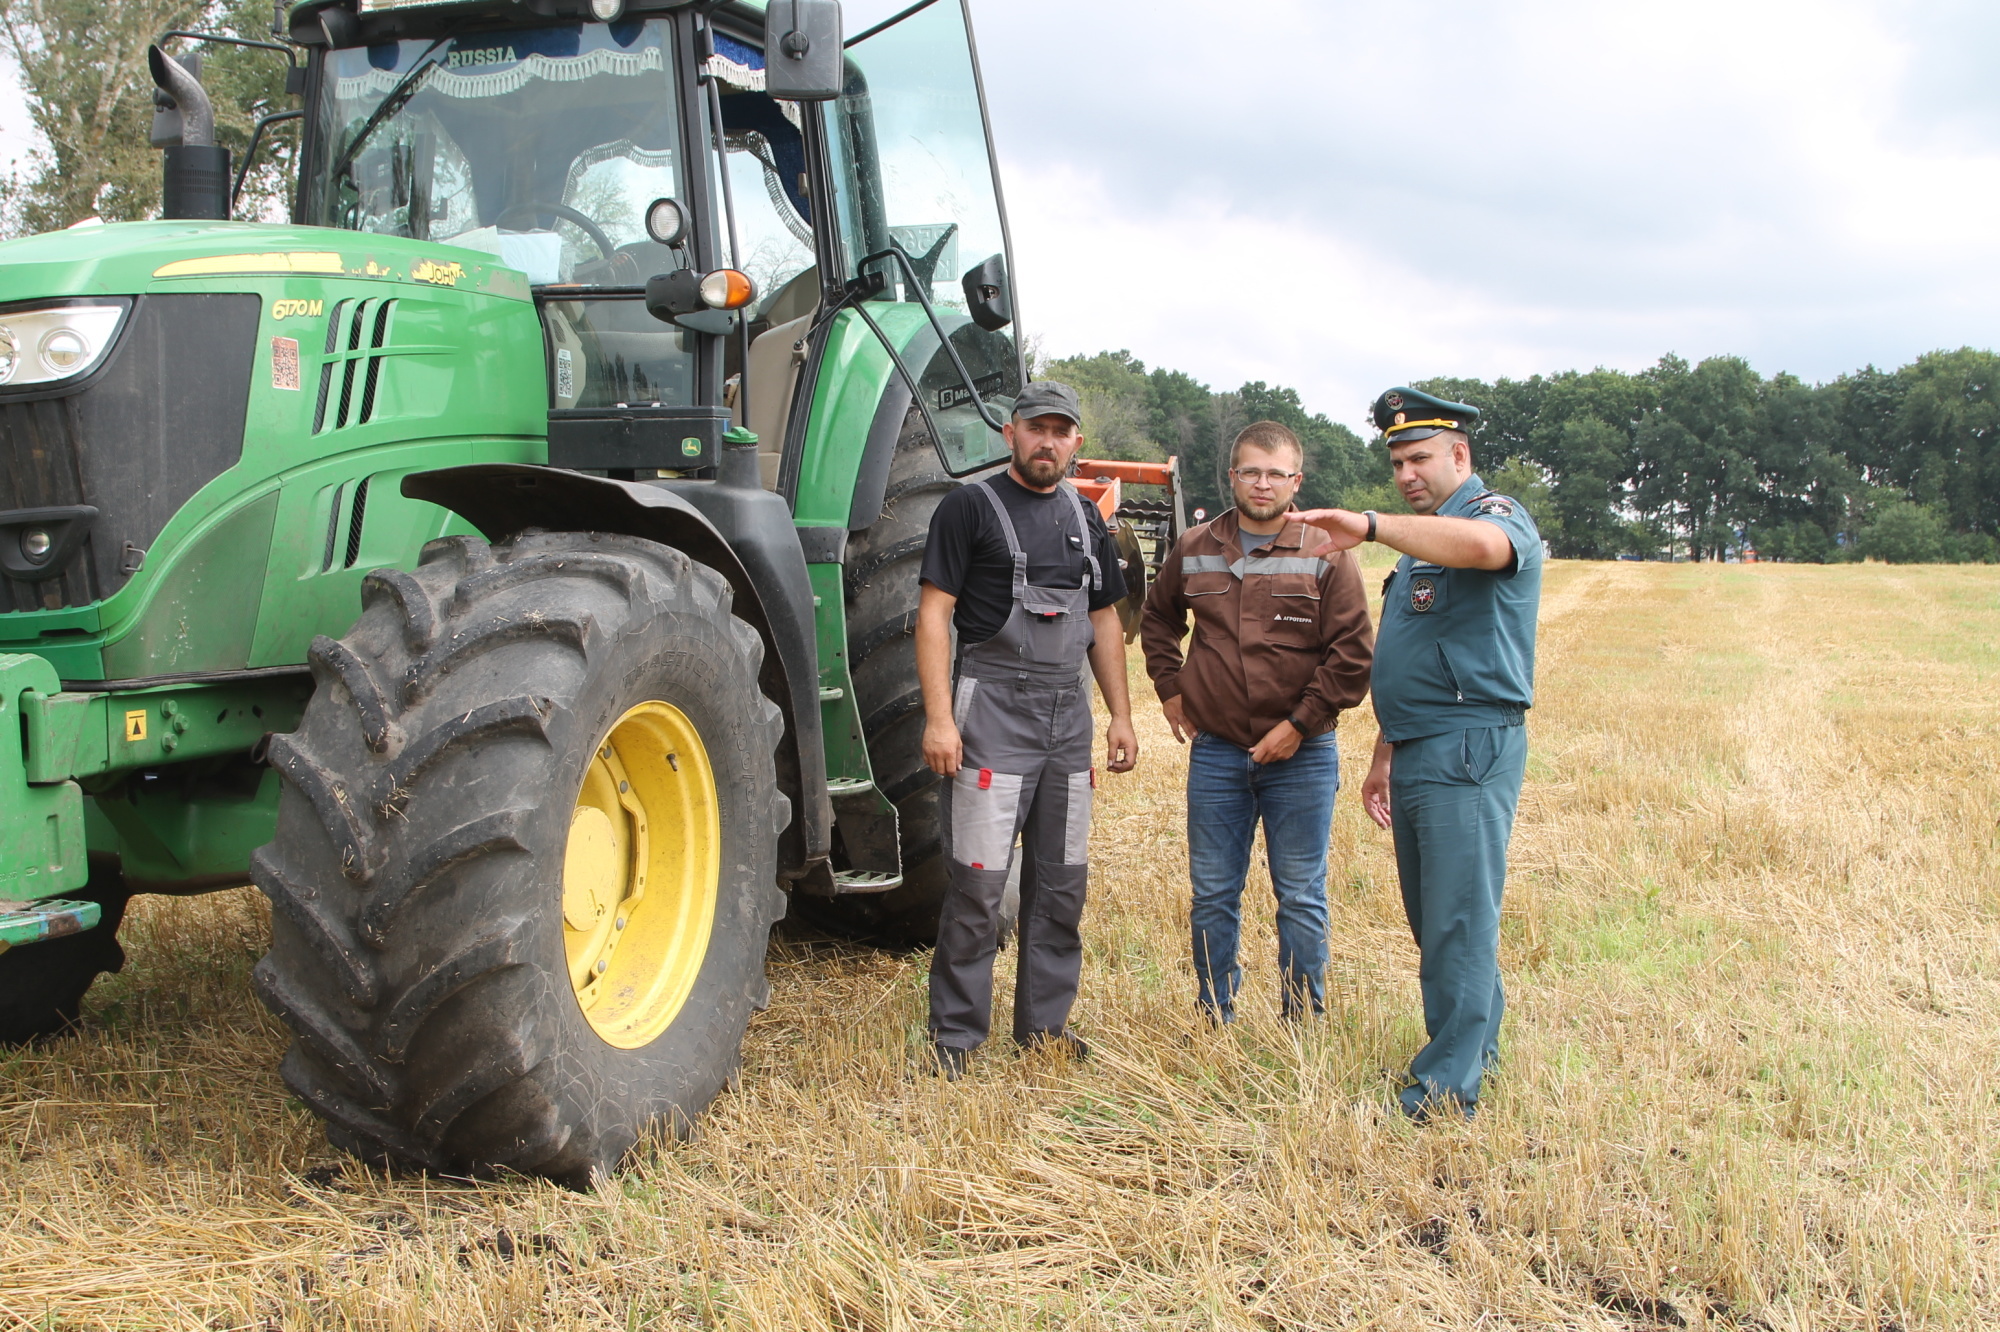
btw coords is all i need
(1066, 1040)
(948, 1062)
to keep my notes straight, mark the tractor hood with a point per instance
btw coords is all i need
(194, 495)
(127, 258)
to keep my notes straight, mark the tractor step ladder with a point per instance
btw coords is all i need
(50, 918)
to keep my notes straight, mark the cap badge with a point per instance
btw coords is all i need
(1394, 400)
(1399, 418)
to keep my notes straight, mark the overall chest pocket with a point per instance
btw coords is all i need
(1206, 584)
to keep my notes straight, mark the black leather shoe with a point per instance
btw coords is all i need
(948, 1062)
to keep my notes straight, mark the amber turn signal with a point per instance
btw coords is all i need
(727, 289)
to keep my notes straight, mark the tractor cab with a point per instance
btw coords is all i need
(600, 157)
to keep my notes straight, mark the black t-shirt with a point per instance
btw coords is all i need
(967, 553)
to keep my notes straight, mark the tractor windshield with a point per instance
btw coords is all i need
(541, 146)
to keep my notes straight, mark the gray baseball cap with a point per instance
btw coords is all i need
(1046, 397)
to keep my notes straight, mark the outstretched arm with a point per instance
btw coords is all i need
(1455, 543)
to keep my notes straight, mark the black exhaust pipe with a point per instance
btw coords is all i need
(195, 183)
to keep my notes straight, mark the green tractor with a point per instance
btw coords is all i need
(613, 362)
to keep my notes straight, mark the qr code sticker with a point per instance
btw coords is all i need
(565, 376)
(285, 363)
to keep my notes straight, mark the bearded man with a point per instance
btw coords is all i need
(1028, 575)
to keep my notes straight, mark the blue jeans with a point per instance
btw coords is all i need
(1227, 795)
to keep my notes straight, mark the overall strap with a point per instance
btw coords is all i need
(1019, 555)
(1083, 531)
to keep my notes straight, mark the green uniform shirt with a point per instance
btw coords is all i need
(1457, 646)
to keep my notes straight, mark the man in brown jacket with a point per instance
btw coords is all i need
(1282, 642)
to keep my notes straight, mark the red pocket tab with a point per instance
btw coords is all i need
(986, 779)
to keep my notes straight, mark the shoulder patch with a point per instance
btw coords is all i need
(1497, 505)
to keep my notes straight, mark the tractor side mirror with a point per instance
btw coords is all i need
(802, 52)
(986, 298)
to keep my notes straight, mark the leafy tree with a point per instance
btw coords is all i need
(1117, 404)
(1902, 532)
(83, 66)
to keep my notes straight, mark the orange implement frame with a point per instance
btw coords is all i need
(1102, 481)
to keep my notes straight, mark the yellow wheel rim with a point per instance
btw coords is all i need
(640, 875)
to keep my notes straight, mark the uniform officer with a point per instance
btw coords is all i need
(1028, 574)
(1454, 677)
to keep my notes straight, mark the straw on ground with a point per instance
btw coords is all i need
(1750, 1069)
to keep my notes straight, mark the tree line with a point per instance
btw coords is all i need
(1691, 460)
(1707, 460)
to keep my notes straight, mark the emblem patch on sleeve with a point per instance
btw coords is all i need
(1423, 594)
(1499, 508)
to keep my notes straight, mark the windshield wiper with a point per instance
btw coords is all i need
(405, 89)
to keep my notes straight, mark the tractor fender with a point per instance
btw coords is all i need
(871, 478)
(745, 535)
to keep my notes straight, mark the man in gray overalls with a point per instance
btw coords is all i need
(1028, 575)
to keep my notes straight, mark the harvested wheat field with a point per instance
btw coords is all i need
(1750, 1069)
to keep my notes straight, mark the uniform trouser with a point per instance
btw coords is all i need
(1452, 799)
(1025, 773)
(1227, 796)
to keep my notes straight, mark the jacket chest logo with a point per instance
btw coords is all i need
(1423, 594)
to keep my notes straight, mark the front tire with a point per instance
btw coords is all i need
(525, 873)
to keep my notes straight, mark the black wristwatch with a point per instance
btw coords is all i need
(1299, 726)
(1371, 524)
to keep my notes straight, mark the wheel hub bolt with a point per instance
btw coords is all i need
(602, 963)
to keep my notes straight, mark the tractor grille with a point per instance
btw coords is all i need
(350, 377)
(160, 421)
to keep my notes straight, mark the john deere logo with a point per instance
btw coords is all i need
(691, 446)
(1423, 595)
(437, 274)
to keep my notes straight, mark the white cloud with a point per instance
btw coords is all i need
(1342, 194)
(1486, 189)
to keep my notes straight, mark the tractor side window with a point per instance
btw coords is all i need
(913, 171)
(766, 162)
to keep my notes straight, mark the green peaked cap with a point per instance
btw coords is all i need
(1404, 414)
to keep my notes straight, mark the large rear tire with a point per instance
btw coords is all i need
(524, 873)
(882, 567)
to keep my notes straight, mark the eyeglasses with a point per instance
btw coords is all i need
(1257, 475)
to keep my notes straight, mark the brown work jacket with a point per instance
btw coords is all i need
(1282, 634)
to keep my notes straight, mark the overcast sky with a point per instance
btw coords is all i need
(1351, 195)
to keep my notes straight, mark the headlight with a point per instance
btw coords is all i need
(57, 343)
